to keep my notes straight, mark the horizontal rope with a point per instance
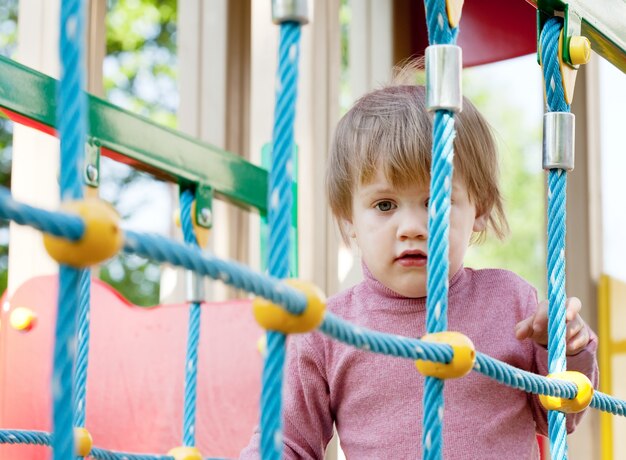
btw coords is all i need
(51, 222)
(101, 454)
(40, 438)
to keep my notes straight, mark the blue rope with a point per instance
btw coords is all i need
(279, 221)
(606, 403)
(193, 335)
(557, 188)
(71, 116)
(82, 352)
(439, 32)
(64, 355)
(39, 438)
(54, 223)
(101, 454)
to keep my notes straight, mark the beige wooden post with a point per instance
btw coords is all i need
(35, 155)
(371, 61)
(584, 231)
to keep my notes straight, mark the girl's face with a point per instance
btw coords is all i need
(390, 227)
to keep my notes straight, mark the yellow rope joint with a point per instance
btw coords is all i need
(569, 406)
(463, 356)
(185, 453)
(82, 442)
(102, 239)
(273, 317)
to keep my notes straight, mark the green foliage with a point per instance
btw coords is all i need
(8, 27)
(135, 278)
(140, 67)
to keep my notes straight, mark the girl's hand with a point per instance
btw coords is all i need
(535, 327)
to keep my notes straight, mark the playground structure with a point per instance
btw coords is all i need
(111, 144)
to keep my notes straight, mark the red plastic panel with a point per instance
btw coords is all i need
(136, 373)
(488, 32)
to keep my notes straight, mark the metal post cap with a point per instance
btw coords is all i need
(290, 11)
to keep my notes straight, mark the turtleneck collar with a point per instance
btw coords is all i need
(399, 302)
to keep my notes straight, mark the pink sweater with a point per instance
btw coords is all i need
(376, 401)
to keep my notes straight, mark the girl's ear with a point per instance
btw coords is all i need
(480, 223)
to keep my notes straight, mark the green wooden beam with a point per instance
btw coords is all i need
(602, 22)
(124, 136)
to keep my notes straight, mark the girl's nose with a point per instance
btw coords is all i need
(413, 225)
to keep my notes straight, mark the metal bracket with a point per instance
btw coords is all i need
(204, 205)
(602, 23)
(92, 163)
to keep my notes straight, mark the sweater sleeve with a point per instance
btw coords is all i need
(584, 361)
(307, 419)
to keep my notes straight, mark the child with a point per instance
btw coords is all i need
(378, 188)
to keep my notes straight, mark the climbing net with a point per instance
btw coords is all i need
(281, 308)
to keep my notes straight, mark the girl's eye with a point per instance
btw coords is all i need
(426, 202)
(384, 206)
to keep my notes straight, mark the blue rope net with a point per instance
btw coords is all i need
(161, 249)
(69, 412)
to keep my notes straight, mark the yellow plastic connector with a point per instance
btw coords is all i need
(579, 50)
(272, 317)
(202, 233)
(23, 319)
(82, 442)
(570, 406)
(463, 356)
(102, 239)
(185, 453)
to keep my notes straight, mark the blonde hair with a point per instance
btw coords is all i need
(391, 129)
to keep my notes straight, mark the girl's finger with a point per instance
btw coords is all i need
(578, 342)
(574, 327)
(572, 306)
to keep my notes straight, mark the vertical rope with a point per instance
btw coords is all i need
(71, 116)
(439, 32)
(82, 352)
(279, 219)
(557, 189)
(193, 336)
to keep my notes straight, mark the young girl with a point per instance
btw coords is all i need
(378, 188)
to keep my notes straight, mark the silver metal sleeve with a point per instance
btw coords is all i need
(290, 10)
(195, 287)
(558, 140)
(444, 65)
